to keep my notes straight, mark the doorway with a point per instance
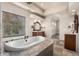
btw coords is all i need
(56, 28)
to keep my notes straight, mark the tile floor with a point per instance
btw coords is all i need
(59, 49)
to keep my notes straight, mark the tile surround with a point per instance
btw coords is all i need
(32, 51)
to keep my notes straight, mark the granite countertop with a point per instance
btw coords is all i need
(34, 50)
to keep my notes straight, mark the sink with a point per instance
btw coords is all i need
(22, 44)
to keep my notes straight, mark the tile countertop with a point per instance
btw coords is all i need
(34, 50)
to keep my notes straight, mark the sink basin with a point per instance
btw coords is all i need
(22, 44)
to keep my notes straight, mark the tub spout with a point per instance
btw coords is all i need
(26, 40)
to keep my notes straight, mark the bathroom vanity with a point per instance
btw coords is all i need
(70, 42)
(38, 33)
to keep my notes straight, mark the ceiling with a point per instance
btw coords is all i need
(48, 5)
(54, 7)
(46, 8)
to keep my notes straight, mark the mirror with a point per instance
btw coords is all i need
(37, 26)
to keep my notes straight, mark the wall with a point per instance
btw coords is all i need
(65, 17)
(47, 23)
(16, 10)
(9, 7)
(50, 25)
(65, 20)
(34, 18)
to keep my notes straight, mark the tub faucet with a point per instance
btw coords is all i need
(25, 37)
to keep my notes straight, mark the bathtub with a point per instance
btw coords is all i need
(22, 44)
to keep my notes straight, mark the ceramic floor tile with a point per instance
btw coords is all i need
(59, 50)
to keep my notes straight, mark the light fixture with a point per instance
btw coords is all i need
(74, 11)
(35, 20)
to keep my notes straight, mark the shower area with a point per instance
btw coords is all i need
(55, 29)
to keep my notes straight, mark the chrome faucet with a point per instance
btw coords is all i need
(25, 37)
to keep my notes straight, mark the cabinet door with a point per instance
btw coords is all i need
(34, 34)
(70, 42)
(38, 34)
(47, 52)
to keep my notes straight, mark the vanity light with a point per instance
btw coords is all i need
(43, 26)
(35, 20)
(74, 11)
(76, 22)
(53, 23)
(32, 16)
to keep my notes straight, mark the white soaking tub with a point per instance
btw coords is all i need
(22, 44)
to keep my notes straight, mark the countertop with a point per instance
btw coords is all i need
(34, 50)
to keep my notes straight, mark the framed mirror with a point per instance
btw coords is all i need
(37, 26)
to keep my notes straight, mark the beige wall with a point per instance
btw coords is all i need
(16, 10)
(34, 18)
(64, 17)
(50, 27)
(65, 20)
(9, 7)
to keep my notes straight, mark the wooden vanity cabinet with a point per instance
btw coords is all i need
(70, 42)
(38, 33)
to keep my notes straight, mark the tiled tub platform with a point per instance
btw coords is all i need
(45, 48)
